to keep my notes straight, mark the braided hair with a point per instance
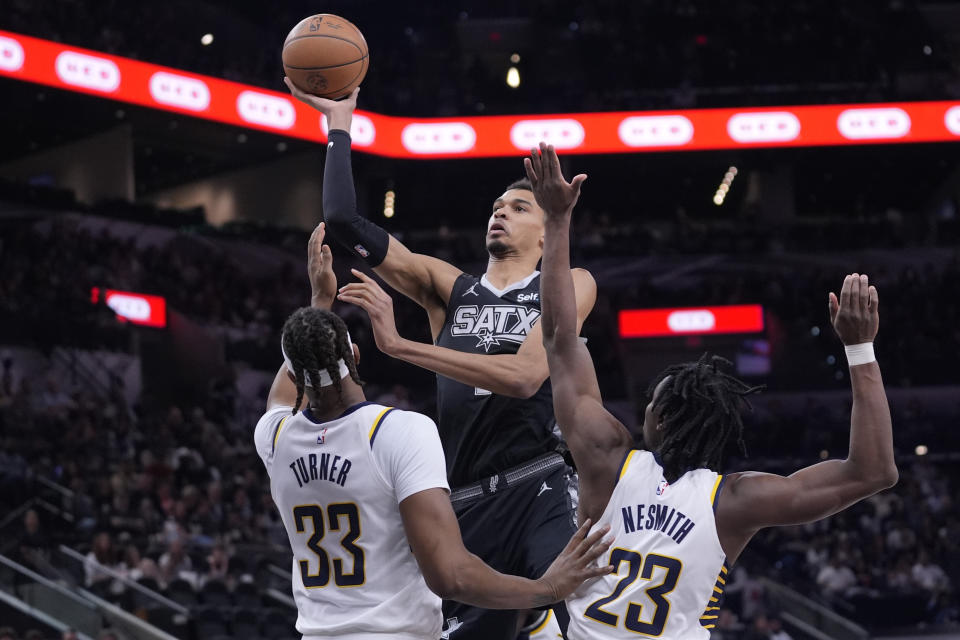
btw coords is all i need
(700, 408)
(315, 340)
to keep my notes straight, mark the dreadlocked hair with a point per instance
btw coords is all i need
(315, 340)
(700, 407)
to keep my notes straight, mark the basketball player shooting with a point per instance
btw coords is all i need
(359, 486)
(678, 524)
(495, 414)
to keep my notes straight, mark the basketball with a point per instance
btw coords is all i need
(326, 55)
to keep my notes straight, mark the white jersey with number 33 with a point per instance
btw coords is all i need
(337, 486)
(670, 568)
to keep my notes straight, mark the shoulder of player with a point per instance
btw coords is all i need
(582, 275)
(584, 284)
(392, 417)
(741, 490)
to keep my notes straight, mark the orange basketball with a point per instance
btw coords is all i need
(326, 55)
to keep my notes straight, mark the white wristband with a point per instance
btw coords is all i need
(859, 353)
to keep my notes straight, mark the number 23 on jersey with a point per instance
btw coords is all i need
(657, 592)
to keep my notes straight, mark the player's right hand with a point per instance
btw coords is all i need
(554, 194)
(576, 563)
(323, 281)
(326, 106)
(854, 315)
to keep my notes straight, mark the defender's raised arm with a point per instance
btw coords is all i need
(757, 500)
(597, 440)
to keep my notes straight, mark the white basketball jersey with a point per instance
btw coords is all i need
(670, 568)
(337, 486)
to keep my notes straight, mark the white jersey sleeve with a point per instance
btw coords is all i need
(409, 454)
(265, 433)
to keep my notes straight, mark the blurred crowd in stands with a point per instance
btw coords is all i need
(51, 267)
(679, 54)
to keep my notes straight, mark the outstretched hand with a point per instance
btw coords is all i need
(554, 194)
(323, 281)
(369, 296)
(854, 315)
(339, 113)
(577, 562)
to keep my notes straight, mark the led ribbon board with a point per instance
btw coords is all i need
(84, 71)
(691, 321)
(136, 308)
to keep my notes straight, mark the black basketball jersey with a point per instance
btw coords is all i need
(484, 433)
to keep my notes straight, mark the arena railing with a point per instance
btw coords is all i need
(159, 599)
(50, 597)
(809, 617)
(42, 617)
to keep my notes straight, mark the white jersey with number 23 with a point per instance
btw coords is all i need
(670, 569)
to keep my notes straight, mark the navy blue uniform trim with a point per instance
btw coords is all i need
(376, 427)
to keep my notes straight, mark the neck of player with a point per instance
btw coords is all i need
(327, 404)
(504, 270)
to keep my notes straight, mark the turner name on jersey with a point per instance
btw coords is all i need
(492, 323)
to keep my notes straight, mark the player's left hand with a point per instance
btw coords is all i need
(323, 281)
(369, 296)
(554, 194)
(577, 562)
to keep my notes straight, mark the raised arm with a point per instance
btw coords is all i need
(424, 279)
(751, 501)
(518, 375)
(453, 573)
(323, 290)
(597, 440)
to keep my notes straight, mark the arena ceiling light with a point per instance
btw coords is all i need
(725, 185)
(125, 80)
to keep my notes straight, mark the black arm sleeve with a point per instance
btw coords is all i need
(353, 231)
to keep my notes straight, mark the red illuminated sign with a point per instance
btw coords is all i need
(693, 321)
(149, 85)
(137, 308)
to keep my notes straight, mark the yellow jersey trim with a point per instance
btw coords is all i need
(543, 624)
(626, 463)
(276, 436)
(716, 485)
(378, 422)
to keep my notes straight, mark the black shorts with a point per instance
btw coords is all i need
(518, 530)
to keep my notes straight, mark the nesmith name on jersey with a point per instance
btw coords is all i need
(492, 323)
(325, 466)
(657, 517)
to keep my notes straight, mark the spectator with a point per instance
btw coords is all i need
(927, 575)
(759, 630)
(218, 564)
(101, 555)
(837, 577)
(776, 630)
(175, 563)
(34, 545)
